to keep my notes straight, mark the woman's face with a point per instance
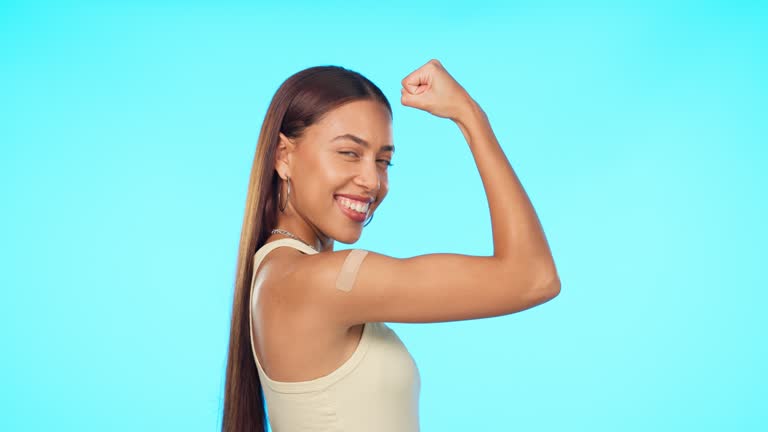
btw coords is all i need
(332, 158)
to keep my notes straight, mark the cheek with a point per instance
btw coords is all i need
(321, 178)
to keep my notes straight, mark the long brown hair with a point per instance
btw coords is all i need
(300, 101)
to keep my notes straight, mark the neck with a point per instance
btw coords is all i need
(307, 234)
(295, 223)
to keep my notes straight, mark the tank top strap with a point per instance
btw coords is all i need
(268, 247)
(258, 257)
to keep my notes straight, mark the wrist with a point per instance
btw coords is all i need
(469, 114)
(468, 111)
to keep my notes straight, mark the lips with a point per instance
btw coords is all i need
(357, 198)
(355, 216)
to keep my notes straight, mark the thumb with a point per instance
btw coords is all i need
(415, 88)
(417, 81)
(409, 99)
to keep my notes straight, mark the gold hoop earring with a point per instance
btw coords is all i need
(287, 197)
(368, 221)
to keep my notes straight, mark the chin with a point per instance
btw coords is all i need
(348, 237)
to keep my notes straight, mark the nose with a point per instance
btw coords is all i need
(368, 177)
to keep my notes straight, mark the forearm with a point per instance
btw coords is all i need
(517, 232)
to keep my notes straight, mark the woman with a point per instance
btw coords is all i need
(308, 332)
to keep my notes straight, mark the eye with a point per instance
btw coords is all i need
(385, 162)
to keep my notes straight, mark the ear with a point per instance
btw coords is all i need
(285, 148)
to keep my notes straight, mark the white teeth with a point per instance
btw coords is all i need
(357, 206)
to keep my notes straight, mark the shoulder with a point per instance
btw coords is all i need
(286, 280)
(278, 263)
(299, 281)
(282, 276)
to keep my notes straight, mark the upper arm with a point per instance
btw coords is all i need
(425, 288)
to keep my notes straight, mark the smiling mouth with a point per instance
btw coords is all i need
(354, 214)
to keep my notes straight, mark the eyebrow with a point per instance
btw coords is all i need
(363, 142)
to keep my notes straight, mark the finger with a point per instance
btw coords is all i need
(411, 100)
(405, 97)
(417, 81)
(418, 84)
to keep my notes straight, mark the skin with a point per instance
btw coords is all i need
(318, 170)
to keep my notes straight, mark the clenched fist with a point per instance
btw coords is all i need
(431, 88)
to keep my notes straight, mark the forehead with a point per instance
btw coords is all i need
(369, 120)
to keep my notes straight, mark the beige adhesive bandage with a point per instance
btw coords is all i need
(349, 269)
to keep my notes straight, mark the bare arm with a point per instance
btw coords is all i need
(440, 286)
(517, 233)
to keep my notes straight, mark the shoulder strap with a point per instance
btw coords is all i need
(257, 258)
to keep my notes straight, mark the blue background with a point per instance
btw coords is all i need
(639, 132)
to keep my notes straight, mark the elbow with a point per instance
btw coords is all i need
(545, 291)
(553, 288)
(542, 281)
(550, 287)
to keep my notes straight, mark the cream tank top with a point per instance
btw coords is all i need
(375, 390)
